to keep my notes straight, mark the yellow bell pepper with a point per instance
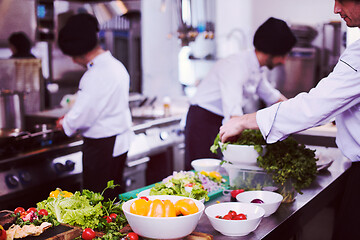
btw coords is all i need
(169, 208)
(186, 207)
(140, 207)
(156, 209)
(215, 175)
(58, 191)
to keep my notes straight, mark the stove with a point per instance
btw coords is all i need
(34, 164)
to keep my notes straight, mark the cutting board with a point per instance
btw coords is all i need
(61, 232)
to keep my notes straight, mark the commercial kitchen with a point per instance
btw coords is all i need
(167, 46)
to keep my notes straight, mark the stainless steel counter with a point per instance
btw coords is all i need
(287, 221)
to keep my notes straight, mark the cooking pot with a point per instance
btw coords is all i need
(11, 109)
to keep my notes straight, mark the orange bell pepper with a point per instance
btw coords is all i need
(140, 207)
(186, 207)
(156, 208)
(169, 208)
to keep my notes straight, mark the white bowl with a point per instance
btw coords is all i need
(235, 227)
(206, 164)
(271, 200)
(240, 154)
(146, 193)
(163, 227)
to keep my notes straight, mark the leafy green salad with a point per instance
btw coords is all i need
(181, 183)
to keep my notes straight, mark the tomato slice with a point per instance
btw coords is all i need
(113, 215)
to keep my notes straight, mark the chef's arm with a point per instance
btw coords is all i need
(236, 125)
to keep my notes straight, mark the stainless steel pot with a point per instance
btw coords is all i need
(11, 109)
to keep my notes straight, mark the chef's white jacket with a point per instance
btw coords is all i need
(101, 108)
(337, 95)
(233, 83)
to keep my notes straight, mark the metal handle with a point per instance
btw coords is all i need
(138, 162)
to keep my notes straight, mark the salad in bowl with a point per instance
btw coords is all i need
(195, 185)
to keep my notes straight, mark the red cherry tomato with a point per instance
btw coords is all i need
(132, 236)
(232, 213)
(227, 217)
(88, 234)
(240, 216)
(19, 210)
(43, 212)
(108, 219)
(32, 209)
(143, 197)
(234, 193)
(113, 215)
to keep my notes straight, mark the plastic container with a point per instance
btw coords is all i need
(248, 179)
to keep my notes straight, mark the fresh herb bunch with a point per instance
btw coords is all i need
(288, 159)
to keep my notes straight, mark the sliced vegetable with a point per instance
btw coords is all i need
(186, 207)
(156, 208)
(140, 207)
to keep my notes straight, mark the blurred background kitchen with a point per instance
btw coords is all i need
(167, 46)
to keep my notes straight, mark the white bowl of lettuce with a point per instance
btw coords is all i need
(179, 184)
(244, 151)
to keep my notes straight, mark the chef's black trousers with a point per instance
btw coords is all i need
(202, 127)
(347, 216)
(99, 166)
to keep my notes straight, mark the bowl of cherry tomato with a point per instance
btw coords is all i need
(234, 218)
(269, 201)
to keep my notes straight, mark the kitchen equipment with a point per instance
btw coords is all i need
(271, 200)
(240, 154)
(163, 227)
(11, 109)
(250, 177)
(35, 163)
(253, 213)
(206, 164)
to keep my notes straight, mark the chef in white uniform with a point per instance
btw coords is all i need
(335, 96)
(101, 111)
(233, 85)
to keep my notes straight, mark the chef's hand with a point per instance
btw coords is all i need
(236, 125)
(59, 123)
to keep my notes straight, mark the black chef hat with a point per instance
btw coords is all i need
(274, 37)
(21, 42)
(79, 35)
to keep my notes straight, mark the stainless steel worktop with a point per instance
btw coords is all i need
(290, 217)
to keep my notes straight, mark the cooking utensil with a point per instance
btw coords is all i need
(11, 109)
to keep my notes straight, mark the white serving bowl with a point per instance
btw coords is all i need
(206, 164)
(146, 193)
(240, 154)
(163, 227)
(235, 227)
(272, 200)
